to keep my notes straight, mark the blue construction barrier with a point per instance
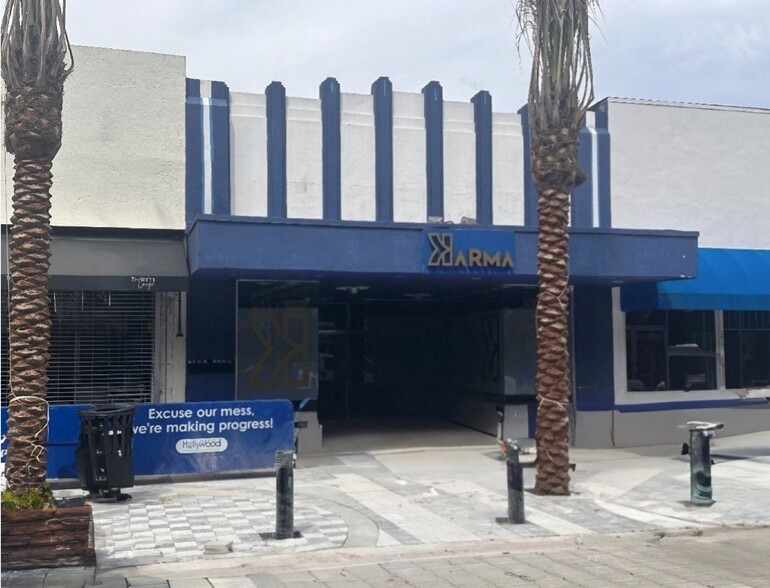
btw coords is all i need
(184, 438)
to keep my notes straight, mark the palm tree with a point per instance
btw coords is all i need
(36, 59)
(560, 91)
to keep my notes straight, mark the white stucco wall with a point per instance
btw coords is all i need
(459, 161)
(410, 189)
(170, 364)
(507, 170)
(122, 161)
(692, 167)
(304, 188)
(358, 157)
(248, 154)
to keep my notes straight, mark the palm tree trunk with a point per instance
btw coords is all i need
(556, 173)
(29, 325)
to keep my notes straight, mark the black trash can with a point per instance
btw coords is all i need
(104, 454)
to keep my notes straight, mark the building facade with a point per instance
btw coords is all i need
(118, 269)
(374, 255)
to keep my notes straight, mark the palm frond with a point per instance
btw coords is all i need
(557, 33)
(34, 47)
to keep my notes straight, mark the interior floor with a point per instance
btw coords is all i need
(400, 433)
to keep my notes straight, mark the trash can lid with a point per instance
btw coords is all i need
(107, 410)
(703, 426)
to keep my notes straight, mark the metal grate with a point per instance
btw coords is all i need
(101, 347)
(747, 320)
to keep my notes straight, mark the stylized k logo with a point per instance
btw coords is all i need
(280, 350)
(441, 249)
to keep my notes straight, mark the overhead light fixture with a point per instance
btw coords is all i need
(353, 290)
(418, 295)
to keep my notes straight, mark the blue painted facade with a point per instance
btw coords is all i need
(211, 340)
(593, 348)
(331, 149)
(207, 173)
(384, 266)
(193, 150)
(243, 247)
(220, 139)
(482, 120)
(275, 96)
(382, 93)
(433, 97)
(334, 253)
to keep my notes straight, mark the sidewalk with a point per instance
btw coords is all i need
(408, 502)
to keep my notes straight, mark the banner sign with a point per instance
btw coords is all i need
(468, 251)
(183, 438)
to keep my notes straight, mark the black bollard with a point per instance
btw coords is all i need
(515, 485)
(700, 460)
(284, 494)
(700, 466)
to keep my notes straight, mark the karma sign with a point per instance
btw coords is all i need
(185, 438)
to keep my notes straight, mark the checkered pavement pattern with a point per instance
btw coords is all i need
(177, 528)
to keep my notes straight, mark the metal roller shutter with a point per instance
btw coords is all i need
(101, 347)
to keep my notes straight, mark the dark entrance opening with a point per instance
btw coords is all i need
(406, 360)
(393, 359)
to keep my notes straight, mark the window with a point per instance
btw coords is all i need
(747, 349)
(671, 350)
(101, 347)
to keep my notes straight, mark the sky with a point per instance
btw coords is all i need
(707, 51)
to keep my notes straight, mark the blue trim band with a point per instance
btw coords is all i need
(193, 150)
(434, 147)
(530, 193)
(331, 149)
(690, 404)
(275, 98)
(601, 122)
(382, 94)
(245, 247)
(581, 200)
(482, 120)
(220, 148)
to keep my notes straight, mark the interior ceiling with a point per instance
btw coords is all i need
(379, 289)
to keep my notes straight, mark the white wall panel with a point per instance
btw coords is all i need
(507, 170)
(303, 158)
(358, 157)
(459, 161)
(410, 192)
(248, 154)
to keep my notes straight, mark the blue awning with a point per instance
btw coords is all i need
(727, 279)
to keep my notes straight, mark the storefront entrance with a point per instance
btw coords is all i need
(364, 354)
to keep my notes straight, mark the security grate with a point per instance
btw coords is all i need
(747, 320)
(101, 347)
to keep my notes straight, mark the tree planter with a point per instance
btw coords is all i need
(47, 538)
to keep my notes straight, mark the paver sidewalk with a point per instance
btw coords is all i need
(419, 499)
(725, 558)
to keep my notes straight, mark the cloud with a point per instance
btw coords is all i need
(690, 50)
